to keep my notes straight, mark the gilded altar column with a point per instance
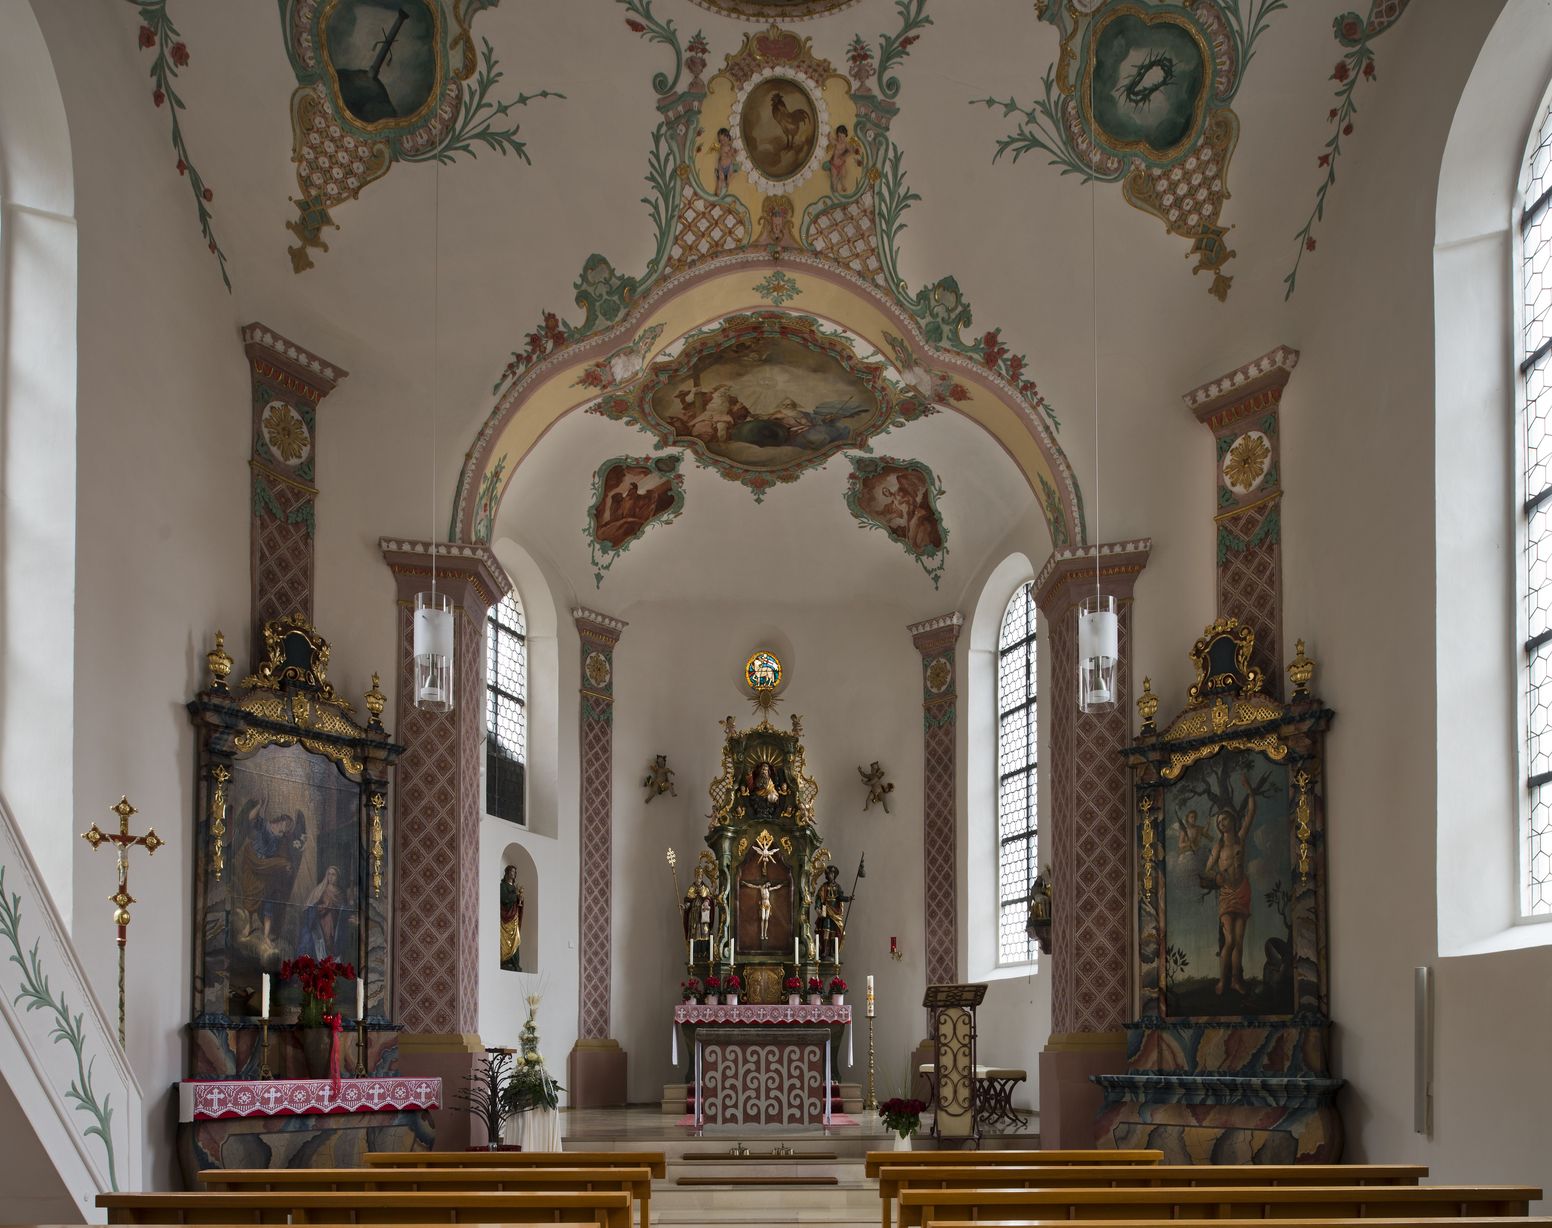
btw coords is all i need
(1087, 843)
(435, 835)
(288, 383)
(597, 1065)
(936, 640)
(1243, 411)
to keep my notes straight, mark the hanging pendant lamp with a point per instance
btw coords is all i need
(1099, 627)
(433, 622)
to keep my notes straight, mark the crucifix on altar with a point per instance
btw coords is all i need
(121, 899)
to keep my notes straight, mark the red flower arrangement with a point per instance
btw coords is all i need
(793, 984)
(317, 977)
(837, 984)
(731, 983)
(902, 1115)
(815, 985)
(713, 984)
(690, 990)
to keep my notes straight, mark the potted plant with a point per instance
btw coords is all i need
(815, 990)
(318, 1023)
(732, 986)
(713, 989)
(837, 991)
(903, 1116)
(794, 987)
(691, 990)
(531, 1091)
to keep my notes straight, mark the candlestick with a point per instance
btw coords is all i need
(871, 1102)
(264, 1071)
(264, 995)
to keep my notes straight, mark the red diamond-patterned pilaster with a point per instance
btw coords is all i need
(598, 634)
(288, 383)
(936, 639)
(1243, 409)
(1090, 826)
(436, 835)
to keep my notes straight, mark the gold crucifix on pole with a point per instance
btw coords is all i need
(121, 899)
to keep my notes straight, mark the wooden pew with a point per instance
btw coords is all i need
(892, 1179)
(637, 1182)
(520, 1159)
(1311, 1202)
(610, 1208)
(877, 1160)
(1460, 1221)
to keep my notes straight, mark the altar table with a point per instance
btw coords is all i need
(761, 1065)
(285, 1123)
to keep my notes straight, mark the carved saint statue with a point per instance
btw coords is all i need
(512, 905)
(764, 887)
(762, 791)
(699, 913)
(830, 919)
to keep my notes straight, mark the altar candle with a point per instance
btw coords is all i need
(732, 951)
(870, 995)
(360, 998)
(264, 995)
(794, 954)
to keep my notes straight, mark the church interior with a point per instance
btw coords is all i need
(744, 639)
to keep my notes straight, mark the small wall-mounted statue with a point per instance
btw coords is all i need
(879, 789)
(512, 905)
(1039, 926)
(659, 779)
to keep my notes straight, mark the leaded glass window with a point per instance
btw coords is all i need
(506, 725)
(1017, 777)
(1534, 351)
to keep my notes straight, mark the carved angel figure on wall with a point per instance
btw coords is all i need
(879, 789)
(659, 779)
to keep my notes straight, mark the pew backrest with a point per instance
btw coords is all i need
(1097, 1155)
(1415, 1221)
(655, 1160)
(610, 1208)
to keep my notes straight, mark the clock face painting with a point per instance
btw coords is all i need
(763, 671)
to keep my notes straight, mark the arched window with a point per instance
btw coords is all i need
(1534, 352)
(506, 719)
(1017, 778)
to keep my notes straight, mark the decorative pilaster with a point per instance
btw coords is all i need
(288, 384)
(1087, 843)
(436, 833)
(936, 639)
(1242, 409)
(597, 1064)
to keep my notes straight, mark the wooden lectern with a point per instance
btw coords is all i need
(953, 1052)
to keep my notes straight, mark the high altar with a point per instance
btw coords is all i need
(764, 902)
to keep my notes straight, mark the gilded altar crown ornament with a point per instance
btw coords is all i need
(1300, 671)
(376, 701)
(219, 662)
(1147, 705)
(121, 899)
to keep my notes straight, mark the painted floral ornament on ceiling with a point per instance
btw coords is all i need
(379, 83)
(1140, 95)
(775, 10)
(901, 498)
(630, 495)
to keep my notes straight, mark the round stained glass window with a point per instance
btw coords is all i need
(763, 671)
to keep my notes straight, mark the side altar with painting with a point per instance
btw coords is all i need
(1230, 1058)
(765, 916)
(292, 1056)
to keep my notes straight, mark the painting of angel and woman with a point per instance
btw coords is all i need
(630, 494)
(1228, 913)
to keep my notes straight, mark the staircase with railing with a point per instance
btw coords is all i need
(59, 1052)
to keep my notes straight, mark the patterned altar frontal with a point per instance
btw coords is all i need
(750, 1078)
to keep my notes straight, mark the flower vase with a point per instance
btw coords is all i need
(316, 1043)
(794, 999)
(837, 999)
(732, 999)
(903, 1141)
(814, 999)
(540, 1129)
(712, 999)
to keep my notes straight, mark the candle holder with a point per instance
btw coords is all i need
(264, 1070)
(361, 1048)
(871, 1103)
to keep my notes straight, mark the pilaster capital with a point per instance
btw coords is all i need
(596, 628)
(467, 572)
(313, 377)
(937, 635)
(1252, 388)
(1069, 574)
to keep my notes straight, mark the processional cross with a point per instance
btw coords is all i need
(121, 899)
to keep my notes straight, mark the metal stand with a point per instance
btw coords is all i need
(871, 1103)
(264, 1070)
(361, 1044)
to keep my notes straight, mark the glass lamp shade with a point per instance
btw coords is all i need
(433, 652)
(1099, 646)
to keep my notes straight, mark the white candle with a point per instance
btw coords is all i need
(870, 995)
(732, 950)
(794, 953)
(360, 998)
(264, 995)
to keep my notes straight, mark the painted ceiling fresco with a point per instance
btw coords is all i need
(901, 498)
(380, 82)
(630, 494)
(775, 10)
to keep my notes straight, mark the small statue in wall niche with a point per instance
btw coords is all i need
(879, 789)
(512, 906)
(659, 779)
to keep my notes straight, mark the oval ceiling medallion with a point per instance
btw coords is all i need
(775, 10)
